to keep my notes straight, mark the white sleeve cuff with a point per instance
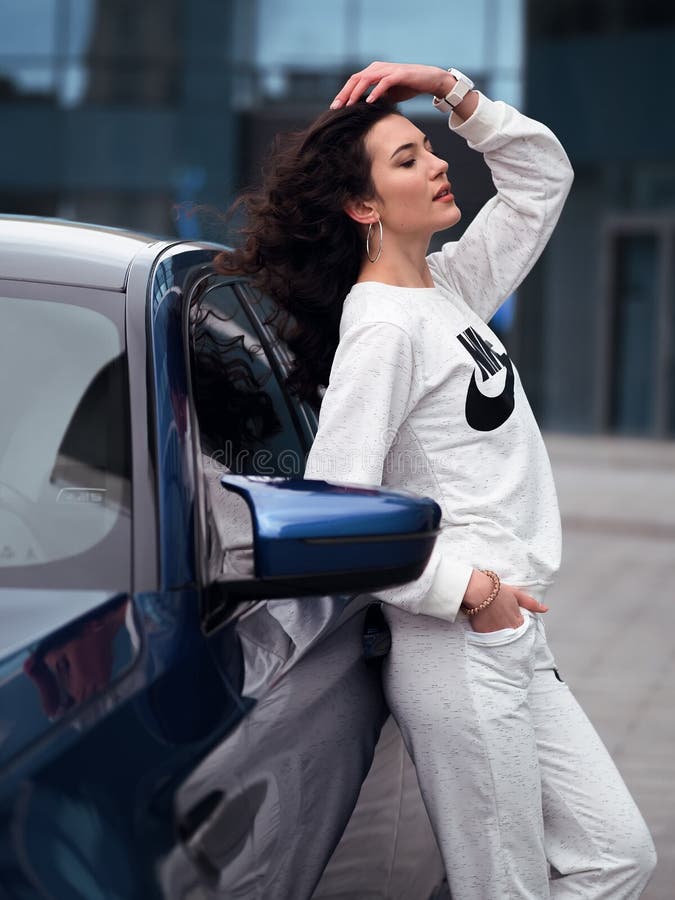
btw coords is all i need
(483, 123)
(447, 590)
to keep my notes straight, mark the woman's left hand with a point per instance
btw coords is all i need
(395, 81)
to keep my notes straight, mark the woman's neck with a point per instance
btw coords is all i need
(398, 270)
(395, 277)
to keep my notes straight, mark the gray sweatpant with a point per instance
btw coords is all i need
(524, 799)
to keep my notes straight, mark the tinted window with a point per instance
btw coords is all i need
(64, 445)
(263, 309)
(245, 422)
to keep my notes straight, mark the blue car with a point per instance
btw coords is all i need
(190, 699)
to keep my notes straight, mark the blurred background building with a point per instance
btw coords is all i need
(598, 355)
(127, 114)
(113, 111)
(154, 115)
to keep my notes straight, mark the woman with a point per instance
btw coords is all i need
(421, 395)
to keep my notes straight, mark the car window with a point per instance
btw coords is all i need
(245, 421)
(64, 443)
(263, 310)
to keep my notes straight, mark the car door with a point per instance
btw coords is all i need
(262, 813)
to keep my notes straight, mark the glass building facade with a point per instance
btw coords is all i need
(114, 111)
(130, 113)
(596, 319)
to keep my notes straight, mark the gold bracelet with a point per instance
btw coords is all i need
(496, 584)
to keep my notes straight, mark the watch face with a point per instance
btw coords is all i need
(457, 94)
(460, 90)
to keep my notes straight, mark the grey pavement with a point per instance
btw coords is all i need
(612, 618)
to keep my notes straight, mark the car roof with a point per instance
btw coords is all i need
(60, 252)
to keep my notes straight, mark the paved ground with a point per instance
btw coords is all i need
(612, 621)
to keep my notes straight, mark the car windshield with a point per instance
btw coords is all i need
(64, 440)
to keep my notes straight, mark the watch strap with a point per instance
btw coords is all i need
(457, 94)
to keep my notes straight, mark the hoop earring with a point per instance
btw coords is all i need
(368, 237)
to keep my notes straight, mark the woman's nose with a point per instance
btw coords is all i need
(440, 167)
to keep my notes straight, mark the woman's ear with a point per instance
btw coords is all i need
(363, 212)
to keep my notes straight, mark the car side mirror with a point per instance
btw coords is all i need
(319, 537)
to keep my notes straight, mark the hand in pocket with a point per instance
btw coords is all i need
(505, 609)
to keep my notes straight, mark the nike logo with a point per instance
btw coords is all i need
(485, 413)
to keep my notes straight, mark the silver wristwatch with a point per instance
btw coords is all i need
(457, 94)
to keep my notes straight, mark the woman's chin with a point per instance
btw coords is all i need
(451, 220)
(456, 215)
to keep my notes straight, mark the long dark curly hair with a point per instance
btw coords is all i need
(299, 246)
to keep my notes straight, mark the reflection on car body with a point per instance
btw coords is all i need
(182, 712)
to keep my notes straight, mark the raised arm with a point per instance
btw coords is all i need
(533, 176)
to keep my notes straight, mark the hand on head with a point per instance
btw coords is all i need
(395, 81)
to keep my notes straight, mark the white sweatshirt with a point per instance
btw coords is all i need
(423, 396)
